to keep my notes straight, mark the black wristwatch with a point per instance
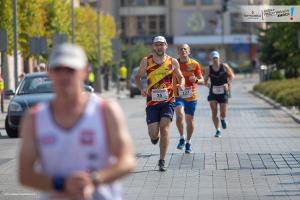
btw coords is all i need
(58, 183)
(196, 81)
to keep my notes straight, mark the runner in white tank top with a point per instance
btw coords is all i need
(79, 140)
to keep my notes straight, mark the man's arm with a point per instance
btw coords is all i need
(178, 74)
(230, 75)
(28, 156)
(199, 78)
(138, 76)
(206, 76)
(229, 72)
(119, 143)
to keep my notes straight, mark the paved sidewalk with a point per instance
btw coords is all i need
(258, 156)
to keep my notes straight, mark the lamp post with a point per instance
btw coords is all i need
(98, 69)
(72, 21)
(15, 42)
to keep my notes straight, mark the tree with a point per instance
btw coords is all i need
(278, 44)
(86, 34)
(6, 21)
(58, 18)
(31, 22)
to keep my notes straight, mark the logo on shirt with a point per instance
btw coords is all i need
(48, 139)
(87, 137)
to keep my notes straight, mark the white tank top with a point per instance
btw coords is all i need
(80, 148)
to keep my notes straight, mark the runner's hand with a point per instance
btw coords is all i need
(143, 93)
(226, 87)
(193, 78)
(181, 87)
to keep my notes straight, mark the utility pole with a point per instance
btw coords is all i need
(98, 69)
(15, 42)
(72, 21)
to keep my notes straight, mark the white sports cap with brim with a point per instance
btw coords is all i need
(215, 54)
(159, 39)
(68, 55)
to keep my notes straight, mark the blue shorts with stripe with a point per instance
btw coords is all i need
(189, 106)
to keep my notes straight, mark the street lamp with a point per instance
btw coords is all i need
(15, 42)
(72, 21)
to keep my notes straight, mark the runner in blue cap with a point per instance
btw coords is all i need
(221, 76)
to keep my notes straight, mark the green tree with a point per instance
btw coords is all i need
(58, 18)
(278, 44)
(31, 22)
(6, 21)
(137, 52)
(86, 34)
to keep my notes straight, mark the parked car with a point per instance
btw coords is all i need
(133, 88)
(34, 88)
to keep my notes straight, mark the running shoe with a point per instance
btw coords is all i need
(161, 165)
(218, 134)
(181, 144)
(188, 148)
(224, 123)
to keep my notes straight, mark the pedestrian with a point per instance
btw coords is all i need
(159, 68)
(221, 76)
(79, 140)
(186, 100)
(123, 76)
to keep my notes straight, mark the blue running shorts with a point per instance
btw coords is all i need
(189, 106)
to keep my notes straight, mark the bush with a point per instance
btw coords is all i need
(286, 92)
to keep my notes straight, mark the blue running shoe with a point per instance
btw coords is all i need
(188, 148)
(224, 124)
(218, 134)
(181, 144)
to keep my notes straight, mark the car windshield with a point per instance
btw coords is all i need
(35, 84)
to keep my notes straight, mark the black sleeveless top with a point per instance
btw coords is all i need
(218, 77)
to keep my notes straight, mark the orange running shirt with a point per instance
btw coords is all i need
(192, 67)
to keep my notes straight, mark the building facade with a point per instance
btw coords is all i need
(205, 25)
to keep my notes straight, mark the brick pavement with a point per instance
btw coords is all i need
(258, 156)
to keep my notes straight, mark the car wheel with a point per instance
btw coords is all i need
(12, 133)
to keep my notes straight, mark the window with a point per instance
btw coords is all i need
(236, 25)
(162, 2)
(189, 2)
(123, 26)
(139, 2)
(141, 22)
(207, 2)
(152, 25)
(162, 24)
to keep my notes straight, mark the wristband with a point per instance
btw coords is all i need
(196, 81)
(58, 183)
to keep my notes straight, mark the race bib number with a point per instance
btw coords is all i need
(186, 93)
(160, 94)
(218, 89)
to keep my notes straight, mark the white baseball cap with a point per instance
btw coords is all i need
(68, 55)
(215, 54)
(159, 39)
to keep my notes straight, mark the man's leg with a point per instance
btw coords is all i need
(223, 113)
(190, 126)
(214, 112)
(180, 125)
(164, 127)
(189, 109)
(152, 119)
(179, 119)
(153, 131)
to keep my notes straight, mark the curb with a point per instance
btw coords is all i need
(276, 105)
